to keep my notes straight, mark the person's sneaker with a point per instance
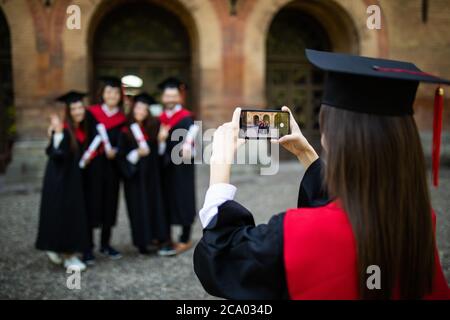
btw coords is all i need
(88, 258)
(149, 250)
(54, 257)
(73, 263)
(167, 251)
(110, 252)
(181, 247)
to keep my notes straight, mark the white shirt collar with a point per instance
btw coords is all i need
(109, 112)
(171, 112)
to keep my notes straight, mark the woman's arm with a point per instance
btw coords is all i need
(59, 145)
(312, 192)
(237, 260)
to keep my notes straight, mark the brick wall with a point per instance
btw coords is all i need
(228, 50)
(46, 63)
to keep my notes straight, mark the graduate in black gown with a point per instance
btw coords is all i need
(377, 212)
(102, 174)
(177, 162)
(139, 162)
(63, 229)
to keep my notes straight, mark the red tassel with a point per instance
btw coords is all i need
(437, 129)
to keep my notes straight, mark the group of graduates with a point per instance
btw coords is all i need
(263, 127)
(93, 150)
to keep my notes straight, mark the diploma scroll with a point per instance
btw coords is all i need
(139, 136)
(104, 136)
(192, 133)
(190, 138)
(90, 150)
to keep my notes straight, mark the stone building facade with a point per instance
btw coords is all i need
(230, 53)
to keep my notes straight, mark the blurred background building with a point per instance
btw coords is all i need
(229, 52)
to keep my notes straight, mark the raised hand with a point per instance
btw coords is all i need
(226, 141)
(296, 143)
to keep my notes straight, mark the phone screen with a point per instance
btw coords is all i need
(263, 124)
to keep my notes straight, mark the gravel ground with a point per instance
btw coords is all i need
(25, 273)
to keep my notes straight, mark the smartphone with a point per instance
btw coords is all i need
(263, 124)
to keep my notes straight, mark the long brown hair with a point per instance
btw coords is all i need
(376, 169)
(71, 128)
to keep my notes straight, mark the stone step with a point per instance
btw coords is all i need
(28, 164)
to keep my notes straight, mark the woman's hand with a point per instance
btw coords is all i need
(55, 124)
(111, 154)
(225, 143)
(87, 161)
(186, 151)
(50, 130)
(143, 152)
(297, 144)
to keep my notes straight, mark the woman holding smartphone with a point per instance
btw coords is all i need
(378, 213)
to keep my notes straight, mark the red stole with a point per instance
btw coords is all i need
(79, 133)
(175, 118)
(110, 122)
(320, 256)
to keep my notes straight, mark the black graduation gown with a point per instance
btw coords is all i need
(102, 181)
(237, 260)
(143, 195)
(178, 181)
(62, 218)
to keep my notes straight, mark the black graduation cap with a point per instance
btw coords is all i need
(145, 98)
(172, 82)
(71, 97)
(377, 86)
(369, 85)
(111, 81)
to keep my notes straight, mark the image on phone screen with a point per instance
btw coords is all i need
(263, 124)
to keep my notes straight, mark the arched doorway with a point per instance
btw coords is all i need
(6, 95)
(255, 120)
(142, 39)
(290, 79)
